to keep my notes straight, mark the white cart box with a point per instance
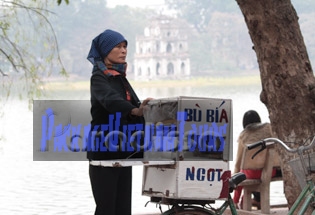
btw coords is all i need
(197, 134)
(193, 180)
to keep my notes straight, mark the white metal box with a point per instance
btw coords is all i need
(195, 133)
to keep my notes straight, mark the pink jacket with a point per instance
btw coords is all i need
(253, 133)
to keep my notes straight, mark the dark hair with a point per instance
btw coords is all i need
(249, 117)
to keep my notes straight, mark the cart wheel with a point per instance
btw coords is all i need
(188, 210)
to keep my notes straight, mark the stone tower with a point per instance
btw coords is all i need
(162, 52)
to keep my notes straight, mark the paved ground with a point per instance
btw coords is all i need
(274, 211)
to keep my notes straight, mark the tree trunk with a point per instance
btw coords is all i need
(288, 84)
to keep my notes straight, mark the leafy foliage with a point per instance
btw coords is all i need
(221, 45)
(28, 48)
(198, 12)
(60, 1)
(79, 22)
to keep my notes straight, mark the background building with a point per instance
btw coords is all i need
(162, 52)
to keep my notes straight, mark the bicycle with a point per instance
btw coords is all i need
(308, 192)
(196, 207)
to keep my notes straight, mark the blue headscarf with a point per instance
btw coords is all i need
(103, 44)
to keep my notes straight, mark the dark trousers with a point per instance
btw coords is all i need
(111, 187)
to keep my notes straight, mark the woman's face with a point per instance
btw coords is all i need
(117, 55)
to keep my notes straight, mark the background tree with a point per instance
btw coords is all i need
(199, 13)
(79, 22)
(36, 35)
(288, 83)
(28, 47)
(221, 45)
(219, 38)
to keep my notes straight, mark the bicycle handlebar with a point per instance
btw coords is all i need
(270, 141)
(255, 145)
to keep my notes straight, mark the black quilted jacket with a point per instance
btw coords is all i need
(109, 98)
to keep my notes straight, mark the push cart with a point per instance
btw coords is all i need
(195, 136)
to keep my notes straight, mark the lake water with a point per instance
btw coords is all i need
(33, 188)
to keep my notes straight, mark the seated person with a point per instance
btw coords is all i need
(253, 131)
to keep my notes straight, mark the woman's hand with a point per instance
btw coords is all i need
(139, 111)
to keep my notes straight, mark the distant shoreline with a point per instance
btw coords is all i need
(191, 82)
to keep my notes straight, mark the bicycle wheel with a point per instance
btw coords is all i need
(189, 210)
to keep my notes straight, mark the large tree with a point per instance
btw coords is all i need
(288, 83)
(287, 79)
